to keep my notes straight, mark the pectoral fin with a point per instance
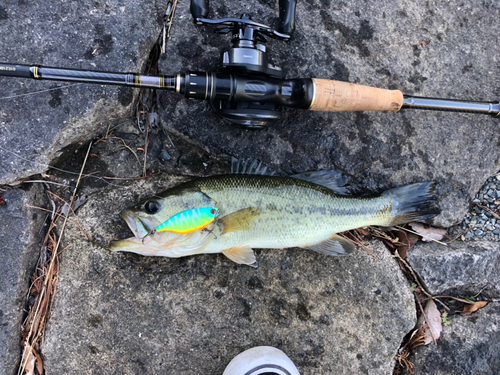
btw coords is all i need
(241, 255)
(239, 220)
(334, 246)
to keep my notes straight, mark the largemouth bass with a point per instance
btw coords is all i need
(257, 211)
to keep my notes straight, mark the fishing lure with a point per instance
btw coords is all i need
(188, 221)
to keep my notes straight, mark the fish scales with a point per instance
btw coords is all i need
(292, 212)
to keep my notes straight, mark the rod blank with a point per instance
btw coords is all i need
(491, 108)
(86, 76)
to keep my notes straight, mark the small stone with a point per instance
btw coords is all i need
(165, 155)
(496, 232)
(469, 235)
(479, 232)
(324, 319)
(255, 283)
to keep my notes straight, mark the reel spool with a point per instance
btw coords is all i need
(248, 56)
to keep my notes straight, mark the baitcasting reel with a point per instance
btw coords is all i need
(248, 57)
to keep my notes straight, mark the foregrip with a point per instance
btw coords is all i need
(336, 96)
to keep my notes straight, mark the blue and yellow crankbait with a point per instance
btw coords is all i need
(188, 221)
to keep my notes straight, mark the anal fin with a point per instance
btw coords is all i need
(241, 255)
(334, 246)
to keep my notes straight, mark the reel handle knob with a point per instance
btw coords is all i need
(287, 16)
(199, 9)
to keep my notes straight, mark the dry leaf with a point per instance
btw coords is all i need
(28, 360)
(407, 241)
(434, 325)
(39, 363)
(427, 232)
(364, 232)
(469, 309)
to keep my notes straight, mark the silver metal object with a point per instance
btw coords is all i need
(490, 108)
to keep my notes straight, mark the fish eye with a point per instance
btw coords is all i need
(212, 211)
(151, 207)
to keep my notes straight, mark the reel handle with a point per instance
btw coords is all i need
(287, 16)
(199, 9)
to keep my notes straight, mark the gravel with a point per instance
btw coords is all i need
(482, 221)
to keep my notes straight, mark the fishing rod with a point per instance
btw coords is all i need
(248, 89)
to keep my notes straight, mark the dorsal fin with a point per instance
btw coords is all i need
(333, 180)
(247, 166)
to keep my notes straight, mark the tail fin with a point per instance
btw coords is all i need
(413, 202)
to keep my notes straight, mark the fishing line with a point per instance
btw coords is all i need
(37, 92)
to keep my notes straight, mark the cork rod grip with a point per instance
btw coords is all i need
(336, 96)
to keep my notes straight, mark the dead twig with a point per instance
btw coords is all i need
(358, 241)
(417, 338)
(133, 178)
(408, 267)
(487, 209)
(420, 234)
(38, 316)
(56, 214)
(128, 148)
(170, 21)
(146, 144)
(456, 299)
(454, 239)
(74, 214)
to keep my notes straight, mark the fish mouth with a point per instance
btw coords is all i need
(139, 227)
